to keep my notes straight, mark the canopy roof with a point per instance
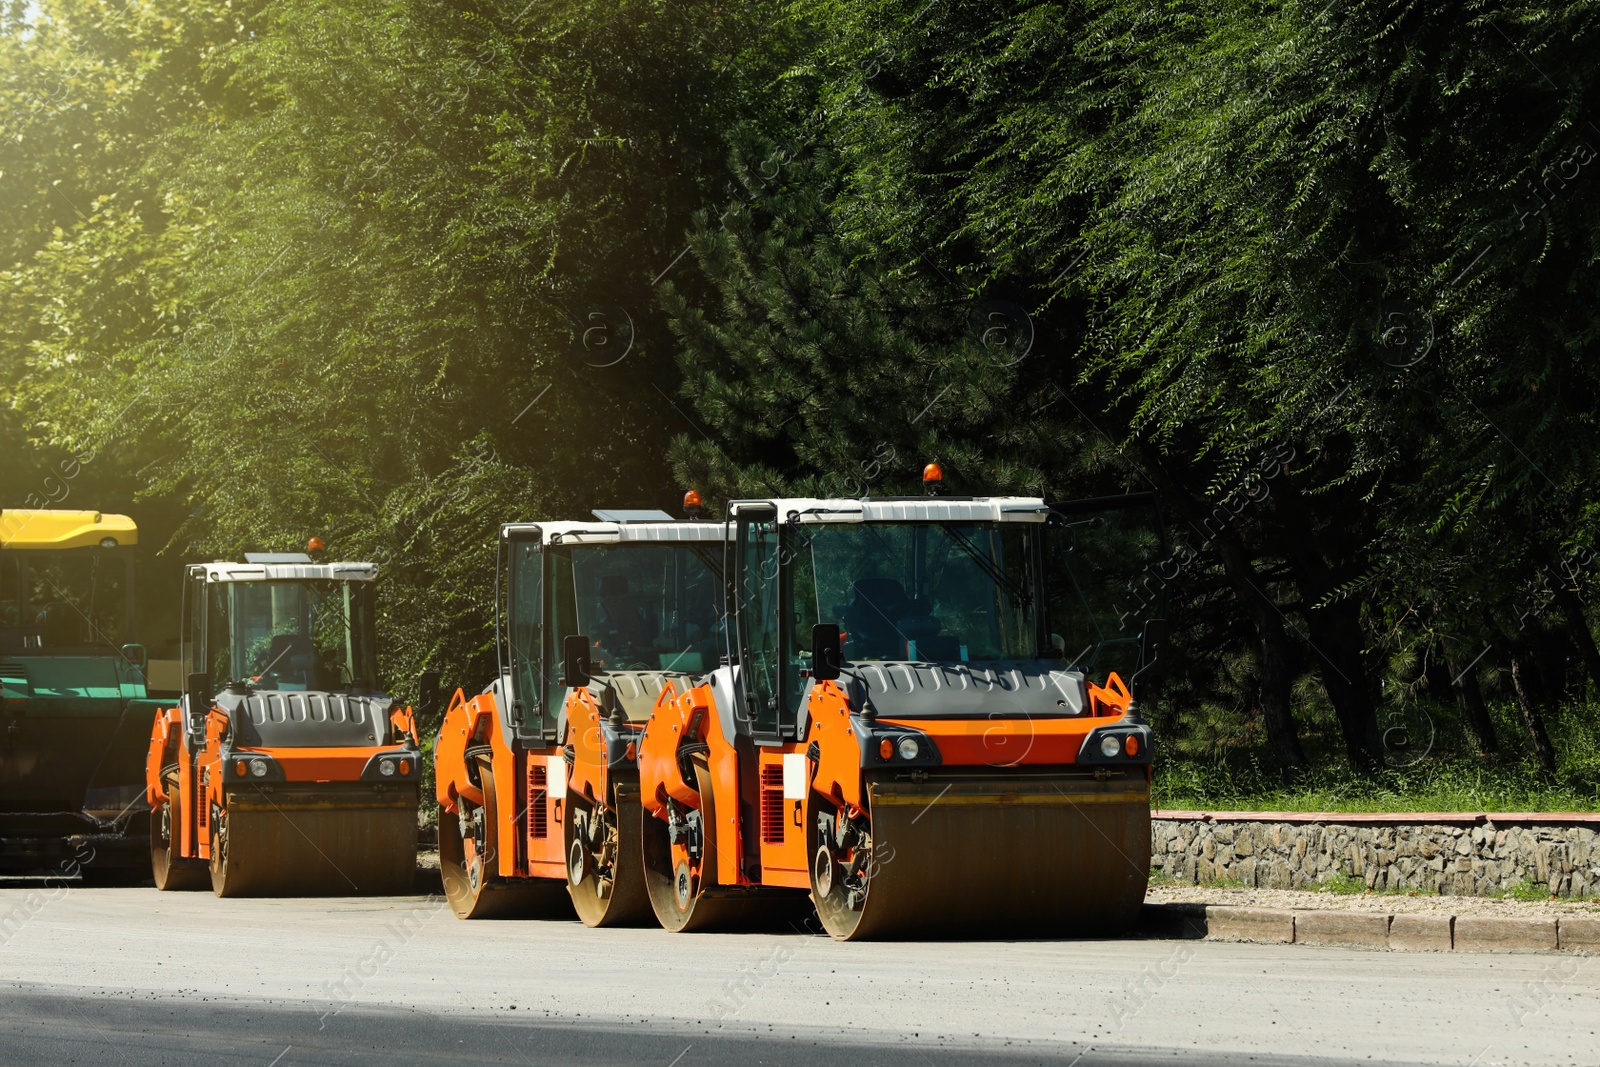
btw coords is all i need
(34, 528)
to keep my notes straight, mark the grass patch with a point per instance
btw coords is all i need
(1227, 883)
(1526, 890)
(1439, 786)
(1347, 884)
(1446, 774)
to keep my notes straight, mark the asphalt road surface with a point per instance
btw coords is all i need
(132, 976)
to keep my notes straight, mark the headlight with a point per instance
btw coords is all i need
(908, 748)
(1110, 745)
(386, 768)
(258, 768)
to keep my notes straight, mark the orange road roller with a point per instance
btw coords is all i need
(537, 776)
(921, 720)
(285, 770)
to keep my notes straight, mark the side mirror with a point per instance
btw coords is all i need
(826, 654)
(1150, 645)
(427, 692)
(575, 661)
(136, 656)
(197, 696)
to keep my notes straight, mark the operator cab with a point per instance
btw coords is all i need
(65, 587)
(640, 588)
(997, 606)
(287, 648)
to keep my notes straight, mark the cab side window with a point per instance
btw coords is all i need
(526, 627)
(194, 633)
(219, 650)
(757, 599)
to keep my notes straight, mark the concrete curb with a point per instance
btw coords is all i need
(1485, 933)
(1581, 935)
(1424, 932)
(1405, 932)
(1267, 925)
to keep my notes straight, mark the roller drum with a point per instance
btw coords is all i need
(471, 884)
(172, 873)
(327, 842)
(685, 895)
(605, 871)
(992, 855)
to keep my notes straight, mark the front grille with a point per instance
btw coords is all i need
(538, 792)
(276, 707)
(772, 804)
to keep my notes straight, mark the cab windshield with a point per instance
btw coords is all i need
(293, 635)
(940, 591)
(1101, 585)
(63, 603)
(649, 607)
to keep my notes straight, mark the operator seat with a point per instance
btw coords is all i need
(291, 658)
(623, 625)
(872, 619)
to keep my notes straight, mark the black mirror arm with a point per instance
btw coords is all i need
(1151, 641)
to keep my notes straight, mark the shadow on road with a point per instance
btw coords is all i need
(60, 1025)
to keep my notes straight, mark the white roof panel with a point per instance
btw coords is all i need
(604, 533)
(223, 571)
(909, 509)
(633, 515)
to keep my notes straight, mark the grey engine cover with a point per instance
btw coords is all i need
(961, 690)
(275, 719)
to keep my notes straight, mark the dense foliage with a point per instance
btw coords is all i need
(1322, 277)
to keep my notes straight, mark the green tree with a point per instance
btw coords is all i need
(1242, 231)
(392, 282)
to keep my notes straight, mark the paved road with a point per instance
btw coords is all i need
(131, 976)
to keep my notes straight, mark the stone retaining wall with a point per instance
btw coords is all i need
(1458, 854)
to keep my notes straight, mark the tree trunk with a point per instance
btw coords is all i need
(1551, 654)
(1469, 699)
(1530, 699)
(1277, 661)
(1336, 644)
(1272, 643)
(1578, 628)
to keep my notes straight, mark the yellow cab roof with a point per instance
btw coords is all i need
(46, 528)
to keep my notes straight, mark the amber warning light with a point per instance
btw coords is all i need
(315, 545)
(933, 478)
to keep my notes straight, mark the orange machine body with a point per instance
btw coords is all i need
(927, 681)
(532, 772)
(202, 779)
(530, 784)
(533, 782)
(771, 849)
(285, 768)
